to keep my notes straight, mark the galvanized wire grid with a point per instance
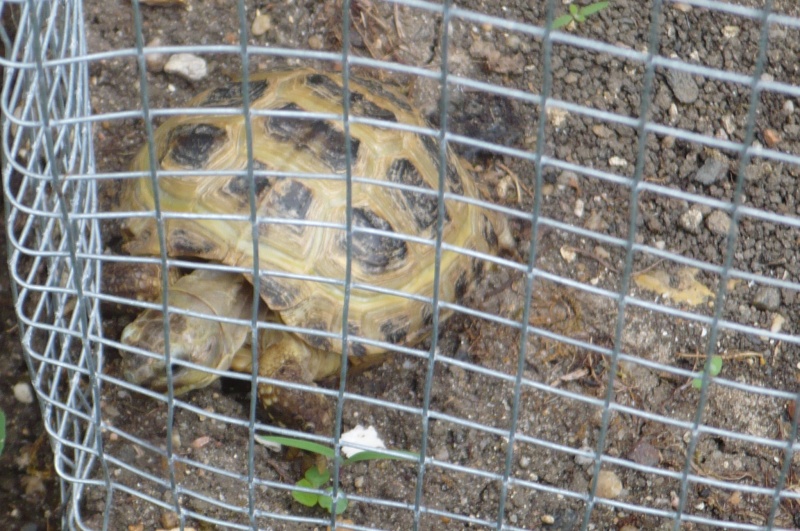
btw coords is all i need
(50, 184)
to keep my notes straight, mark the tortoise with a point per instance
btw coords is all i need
(300, 164)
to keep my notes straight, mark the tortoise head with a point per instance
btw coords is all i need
(194, 340)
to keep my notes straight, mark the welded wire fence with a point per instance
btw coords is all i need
(631, 364)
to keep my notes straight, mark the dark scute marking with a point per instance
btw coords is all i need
(318, 136)
(379, 90)
(424, 208)
(320, 342)
(184, 243)
(231, 95)
(291, 201)
(477, 268)
(191, 145)
(488, 233)
(356, 349)
(453, 180)
(239, 187)
(277, 296)
(324, 85)
(394, 332)
(360, 106)
(432, 147)
(461, 285)
(375, 253)
(427, 316)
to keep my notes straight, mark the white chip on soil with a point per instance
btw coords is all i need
(23, 393)
(362, 436)
(261, 24)
(271, 446)
(568, 254)
(187, 65)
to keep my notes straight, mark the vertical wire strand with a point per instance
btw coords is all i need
(624, 287)
(444, 102)
(348, 176)
(254, 237)
(530, 274)
(722, 288)
(162, 243)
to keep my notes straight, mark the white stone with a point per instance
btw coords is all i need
(187, 65)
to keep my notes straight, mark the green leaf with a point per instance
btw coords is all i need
(2, 431)
(301, 444)
(579, 17)
(562, 21)
(326, 502)
(309, 499)
(591, 9)
(573, 9)
(371, 455)
(714, 369)
(716, 365)
(317, 478)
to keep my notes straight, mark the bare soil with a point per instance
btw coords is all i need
(560, 406)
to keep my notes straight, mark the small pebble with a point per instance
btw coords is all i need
(579, 208)
(601, 253)
(771, 138)
(788, 107)
(524, 461)
(359, 482)
(777, 323)
(731, 32)
(602, 131)
(568, 254)
(718, 223)
(608, 485)
(23, 393)
(767, 298)
(567, 179)
(645, 453)
(690, 221)
(169, 520)
(155, 61)
(315, 42)
(711, 171)
(617, 162)
(548, 519)
(187, 65)
(261, 24)
(513, 41)
(683, 86)
(442, 454)
(583, 460)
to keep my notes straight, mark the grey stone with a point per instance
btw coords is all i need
(767, 298)
(683, 86)
(711, 171)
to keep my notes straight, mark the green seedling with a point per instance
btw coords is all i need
(579, 14)
(714, 370)
(2, 431)
(316, 479)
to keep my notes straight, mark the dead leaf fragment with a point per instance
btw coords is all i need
(682, 288)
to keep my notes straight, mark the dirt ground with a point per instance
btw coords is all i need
(564, 385)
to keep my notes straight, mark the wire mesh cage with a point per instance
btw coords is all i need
(627, 362)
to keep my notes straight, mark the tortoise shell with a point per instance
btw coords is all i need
(300, 165)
